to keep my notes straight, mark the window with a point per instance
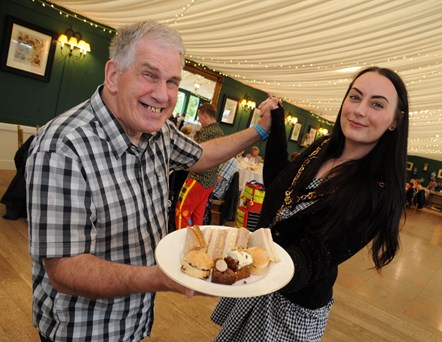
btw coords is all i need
(179, 107)
(192, 107)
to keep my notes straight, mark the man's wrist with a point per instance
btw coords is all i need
(261, 131)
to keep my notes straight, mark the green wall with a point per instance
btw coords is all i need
(27, 101)
(418, 171)
(31, 102)
(237, 91)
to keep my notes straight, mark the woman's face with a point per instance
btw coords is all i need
(368, 110)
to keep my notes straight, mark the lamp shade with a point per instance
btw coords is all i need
(73, 42)
(251, 104)
(84, 47)
(63, 39)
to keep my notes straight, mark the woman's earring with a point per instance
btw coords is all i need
(391, 128)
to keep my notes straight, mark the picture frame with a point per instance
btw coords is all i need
(439, 174)
(230, 108)
(254, 118)
(409, 166)
(312, 133)
(27, 49)
(296, 131)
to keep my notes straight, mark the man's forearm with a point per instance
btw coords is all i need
(88, 276)
(217, 151)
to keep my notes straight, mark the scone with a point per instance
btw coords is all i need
(197, 263)
(260, 260)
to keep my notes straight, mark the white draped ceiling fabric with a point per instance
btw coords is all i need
(306, 52)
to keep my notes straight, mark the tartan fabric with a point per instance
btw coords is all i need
(268, 318)
(90, 190)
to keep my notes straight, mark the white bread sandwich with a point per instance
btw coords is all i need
(242, 239)
(230, 241)
(194, 239)
(197, 263)
(215, 243)
(260, 260)
(262, 238)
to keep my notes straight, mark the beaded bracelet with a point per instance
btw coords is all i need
(261, 132)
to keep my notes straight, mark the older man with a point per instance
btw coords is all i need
(97, 184)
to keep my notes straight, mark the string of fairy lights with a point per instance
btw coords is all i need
(426, 144)
(181, 14)
(67, 14)
(204, 67)
(329, 108)
(326, 108)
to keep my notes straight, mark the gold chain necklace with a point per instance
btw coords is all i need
(288, 200)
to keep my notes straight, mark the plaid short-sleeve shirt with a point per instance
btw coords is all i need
(90, 190)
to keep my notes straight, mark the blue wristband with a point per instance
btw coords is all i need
(261, 132)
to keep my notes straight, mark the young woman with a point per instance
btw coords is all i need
(343, 192)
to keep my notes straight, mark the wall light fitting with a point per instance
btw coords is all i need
(74, 42)
(291, 120)
(323, 131)
(247, 103)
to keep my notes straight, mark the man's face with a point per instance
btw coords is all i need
(202, 118)
(147, 91)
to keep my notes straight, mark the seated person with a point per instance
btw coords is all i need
(432, 185)
(410, 192)
(421, 196)
(187, 130)
(240, 155)
(254, 156)
(415, 194)
(225, 175)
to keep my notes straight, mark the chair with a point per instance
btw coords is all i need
(226, 208)
(176, 181)
(15, 196)
(20, 139)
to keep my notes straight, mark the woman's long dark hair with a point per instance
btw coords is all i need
(373, 185)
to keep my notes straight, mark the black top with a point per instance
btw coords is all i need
(316, 262)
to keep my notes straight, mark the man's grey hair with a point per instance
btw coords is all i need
(122, 47)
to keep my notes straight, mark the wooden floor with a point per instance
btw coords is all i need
(404, 304)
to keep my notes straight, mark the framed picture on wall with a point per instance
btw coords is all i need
(409, 166)
(229, 111)
(255, 117)
(27, 49)
(296, 130)
(312, 134)
(439, 174)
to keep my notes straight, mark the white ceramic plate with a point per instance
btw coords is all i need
(169, 253)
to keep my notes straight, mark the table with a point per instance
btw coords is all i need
(435, 200)
(247, 175)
